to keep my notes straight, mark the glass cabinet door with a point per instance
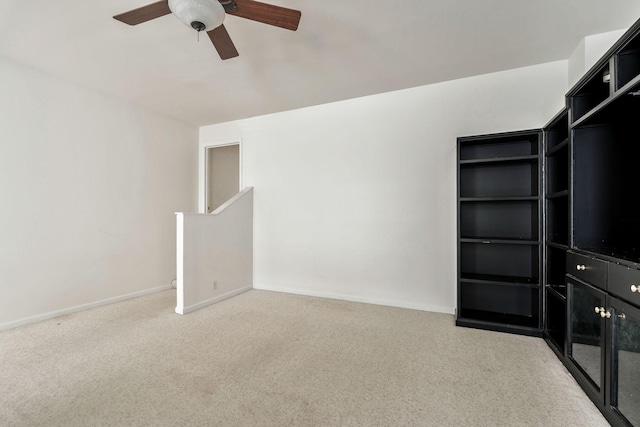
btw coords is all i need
(587, 333)
(625, 366)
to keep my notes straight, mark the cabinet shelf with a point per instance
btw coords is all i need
(557, 245)
(498, 241)
(500, 259)
(484, 220)
(524, 325)
(498, 199)
(514, 146)
(557, 291)
(511, 179)
(564, 243)
(558, 194)
(500, 160)
(555, 149)
(489, 302)
(493, 279)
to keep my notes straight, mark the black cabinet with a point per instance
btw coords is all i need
(586, 346)
(603, 351)
(557, 180)
(624, 366)
(549, 234)
(499, 232)
(624, 282)
(588, 268)
(624, 375)
(603, 275)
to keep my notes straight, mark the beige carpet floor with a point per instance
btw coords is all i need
(271, 359)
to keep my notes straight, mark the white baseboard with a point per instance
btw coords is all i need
(202, 304)
(366, 300)
(82, 307)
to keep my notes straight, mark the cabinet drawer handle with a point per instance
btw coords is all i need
(635, 288)
(581, 267)
(599, 309)
(603, 312)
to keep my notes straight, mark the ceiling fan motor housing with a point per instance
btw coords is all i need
(198, 26)
(201, 15)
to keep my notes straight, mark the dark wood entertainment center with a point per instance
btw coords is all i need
(549, 232)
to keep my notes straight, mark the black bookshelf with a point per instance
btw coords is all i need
(549, 232)
(500, 232)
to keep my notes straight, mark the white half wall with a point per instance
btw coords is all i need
(215, 253)
(89, 185)
(357, 199)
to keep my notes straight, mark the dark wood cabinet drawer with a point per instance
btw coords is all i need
(624, 282)
(591, 270)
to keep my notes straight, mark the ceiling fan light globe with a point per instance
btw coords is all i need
(208, 12)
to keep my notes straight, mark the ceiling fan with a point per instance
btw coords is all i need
(208, 15)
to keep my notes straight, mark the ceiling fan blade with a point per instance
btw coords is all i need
(266, 13)
(222, 42)
(144, 13)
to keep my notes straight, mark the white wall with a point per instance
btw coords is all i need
(88, 188)
(357, 199)
(215, 253)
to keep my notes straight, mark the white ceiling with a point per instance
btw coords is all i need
(342, 49)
